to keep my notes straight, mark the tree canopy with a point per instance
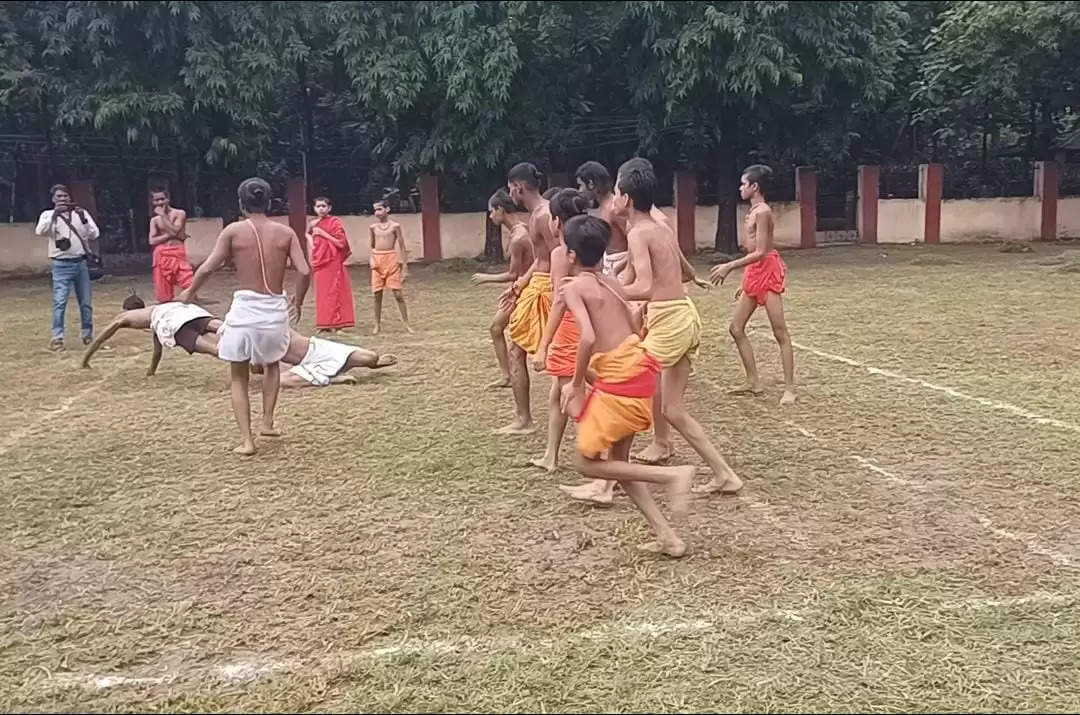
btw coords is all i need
(364, 96)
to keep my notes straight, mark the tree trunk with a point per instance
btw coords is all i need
(493, 248)
(727, 179)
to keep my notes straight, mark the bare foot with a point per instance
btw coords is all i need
(270, 431)
(675, 547)
(548, 465)
(517, 427)
(788, 398)
(246, 449)
(347, 379)
(653, 454)
(729, 484)
(408, 328)
(500, 383)
(679, 490)
(385, 361)
(376, 330)
(588, 493)
(748, 389)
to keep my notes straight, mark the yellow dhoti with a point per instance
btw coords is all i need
(530, 315)
(673, 329)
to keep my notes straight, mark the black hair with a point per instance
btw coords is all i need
(133, 302)
(160, 191)
(595, 173)
(568, 203)
(759, 174)
(501, 200)
(322, 199)
(380, 202)
(254, 195)
(59, 187)
(524, 173)
(551, 192)
(588, 237)
(637, 179)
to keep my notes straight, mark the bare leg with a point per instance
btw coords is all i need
(659, 450)
(774, 307)
(744, 308)
(556, 427)
(498, 341)
(600, 492)
(519, 378)
(400, 298)
(378, 313)
(270, 387)
(242, 407)
(674, 381)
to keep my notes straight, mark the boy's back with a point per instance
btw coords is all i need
(651, 239)
(276, 242)
(608, 313)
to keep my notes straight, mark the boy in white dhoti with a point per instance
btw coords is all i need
(256, 328)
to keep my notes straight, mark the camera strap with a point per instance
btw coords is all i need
(85, 246)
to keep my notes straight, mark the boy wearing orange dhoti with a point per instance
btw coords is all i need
(389, 263)
(330, 249)
(624, 377)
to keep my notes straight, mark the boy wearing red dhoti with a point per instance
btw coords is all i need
(764, 280)
(624, 378)
(167, 234)
(329, 250)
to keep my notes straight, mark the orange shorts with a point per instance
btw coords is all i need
(386, 271)
(562, 355)
(769, 275)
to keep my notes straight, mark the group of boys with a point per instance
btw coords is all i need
(603, 309)
(256, 334)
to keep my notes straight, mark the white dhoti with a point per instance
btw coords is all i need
(611, 260)
(324, 360)
(256, 328)
(167, 318)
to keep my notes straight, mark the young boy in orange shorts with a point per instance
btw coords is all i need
(389, 263)
(624, 378)
(763, 282)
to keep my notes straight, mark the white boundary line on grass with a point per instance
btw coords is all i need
(951, 392)
(18, 434)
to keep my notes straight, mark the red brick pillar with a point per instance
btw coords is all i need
(869, 179)
(931, 184)
(429, 217)
(685, 204)
(1047, 183)
(82, 193)
(296, 197)
(806, 195)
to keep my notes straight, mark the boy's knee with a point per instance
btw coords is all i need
(780, 332)
(737, 331)
(673, 413)
(398, 296)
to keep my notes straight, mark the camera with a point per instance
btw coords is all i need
(63, 244)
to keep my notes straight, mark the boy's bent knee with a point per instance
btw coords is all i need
(737, 331)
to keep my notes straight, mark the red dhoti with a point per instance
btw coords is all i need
(171, 269)
(769, 275)
(333, 289)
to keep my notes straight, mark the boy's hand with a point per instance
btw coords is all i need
(719, 273)
(185, 296)
(478, 278)
(702, 283)
(539, 360)
(738, 293)
(572, 399)
(508, 298)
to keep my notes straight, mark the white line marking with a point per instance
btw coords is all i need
(16, 436)
(951, 392)
(1031, 542)
(803, 431)
(887, 474)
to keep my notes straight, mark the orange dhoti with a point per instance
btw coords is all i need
(563, 353)
(385, 271)
(620, 403)
(769, 275)
(171, 269)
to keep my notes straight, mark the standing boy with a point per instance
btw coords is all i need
(333, 289)
(504, 214)
(256, 328)
(168, 231)
(389, 263)
(763, 283)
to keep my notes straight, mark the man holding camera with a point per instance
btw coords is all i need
(70, 229)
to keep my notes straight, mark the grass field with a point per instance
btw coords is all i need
(906, 539)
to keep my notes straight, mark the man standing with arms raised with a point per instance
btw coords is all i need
(256, 328)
